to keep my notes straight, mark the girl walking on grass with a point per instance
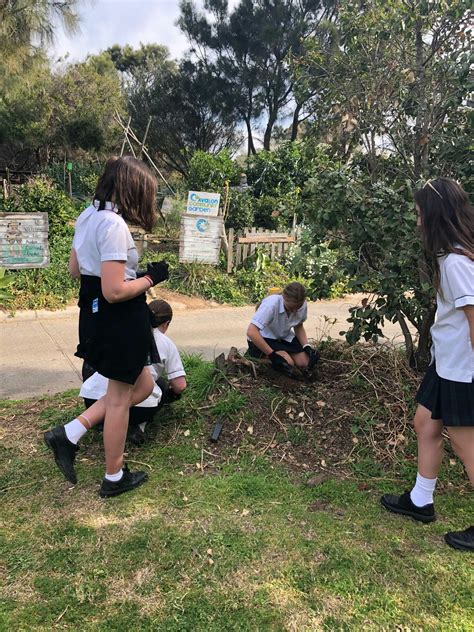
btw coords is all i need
(114, 322)
(446, 395)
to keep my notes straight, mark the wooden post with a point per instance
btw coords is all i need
(140, 153)
(5, 189)
(230, 251)
(69, 181)
(125, 138)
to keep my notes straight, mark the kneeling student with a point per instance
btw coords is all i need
(277, 330)
(164, 390)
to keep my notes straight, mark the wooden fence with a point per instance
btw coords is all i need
(242, 246)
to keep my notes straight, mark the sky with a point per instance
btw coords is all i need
(107, 22)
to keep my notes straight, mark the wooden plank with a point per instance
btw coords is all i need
(266, 239)
(230, 251)
(24, 240)
(200, 238)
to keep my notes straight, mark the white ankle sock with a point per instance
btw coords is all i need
(422, 493)
(142, 426)
(114, 478)
(75, 431)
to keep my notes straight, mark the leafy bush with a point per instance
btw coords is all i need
(83, 176)
(322, 265)
(39, 195)
(46, 288)
(209, 172)
(373, 223)
(277, 179)
(241, 211)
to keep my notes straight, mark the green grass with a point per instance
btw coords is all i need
(241, 544)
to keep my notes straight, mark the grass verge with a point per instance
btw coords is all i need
(225, 536)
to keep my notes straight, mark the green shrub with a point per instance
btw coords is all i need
(40, 195)
(209, 172)
(241, 211)
(83, 176)
(46, 288)
(321, 265)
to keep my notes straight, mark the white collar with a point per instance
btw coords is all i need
(109, 206)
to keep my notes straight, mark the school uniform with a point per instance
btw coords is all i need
(447, 389)
(114, 338)
(169, 365)
(276, 326)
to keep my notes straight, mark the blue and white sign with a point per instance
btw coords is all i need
(200, 238)
(203, 203)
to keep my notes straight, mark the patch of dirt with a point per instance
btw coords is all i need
(182, 301)
(358, 397)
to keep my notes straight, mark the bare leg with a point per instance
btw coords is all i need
(462, 440)
(287, 357)
(141, 389)
(300, 359)
(118, 400)
(430, 442)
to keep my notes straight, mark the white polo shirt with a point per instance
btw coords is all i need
(452, 349)
(104, 236)
(170, 365)
(273, 321)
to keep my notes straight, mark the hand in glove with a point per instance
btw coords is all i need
(280, 364)
(157, 271)
(313, 356)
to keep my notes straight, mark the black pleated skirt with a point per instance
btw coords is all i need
(452, 402)
(114, 338)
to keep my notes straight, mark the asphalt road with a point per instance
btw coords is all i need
(37, 348)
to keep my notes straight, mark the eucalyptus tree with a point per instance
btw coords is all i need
(249, 51)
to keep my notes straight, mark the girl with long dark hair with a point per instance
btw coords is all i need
(446, 395)
(115, 334)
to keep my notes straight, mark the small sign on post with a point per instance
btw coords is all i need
(200, 239)
(203, 203)
(24, 240)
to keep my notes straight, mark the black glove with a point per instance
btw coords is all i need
(280, 364)
(277, 361)
(168, 395)
(313, 356)
(157, 271)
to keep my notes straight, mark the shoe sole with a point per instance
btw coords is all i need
(117, 492)
(406, 512)
(458, 547)
(50, 442)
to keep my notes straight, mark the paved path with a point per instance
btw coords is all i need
(37, 348)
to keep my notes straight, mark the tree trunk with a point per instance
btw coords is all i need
(250, 144)
(422, 355)
(296, 122)
(267, 138)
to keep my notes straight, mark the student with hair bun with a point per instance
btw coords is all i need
(277, 330)
(167, 372)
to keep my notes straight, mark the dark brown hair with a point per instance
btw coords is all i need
(294, 292)
(447, 221)
(161, 312)
(130, 184)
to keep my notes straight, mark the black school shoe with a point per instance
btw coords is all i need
(136, 436)
(129, 481)
(64, 451)
(461, 540)
(404, 506)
